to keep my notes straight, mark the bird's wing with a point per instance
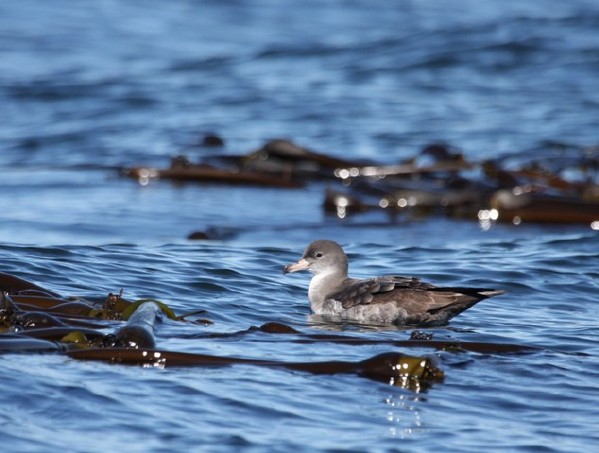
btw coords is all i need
(364, 292)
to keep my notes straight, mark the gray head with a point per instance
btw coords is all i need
(321, 256)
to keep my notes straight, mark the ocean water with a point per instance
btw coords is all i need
(89, 89)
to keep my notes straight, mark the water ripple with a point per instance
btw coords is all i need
(87, 89)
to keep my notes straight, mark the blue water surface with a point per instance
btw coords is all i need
(87, 89)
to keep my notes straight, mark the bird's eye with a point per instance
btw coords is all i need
(318, 255)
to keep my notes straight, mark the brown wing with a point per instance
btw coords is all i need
(373, 290)
(430, 305)
(419, 300)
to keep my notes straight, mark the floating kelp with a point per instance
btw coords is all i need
(279, 163)
(80, 331)
(45, 314)
(286, 159)
(12, 284)
(561, 188)
(132, 308)
(139, 330)
(115, 307)
(531, 192)
(134, 343)
(419, 341)
(342, 204)
(415, 373)
(570, 170)
(67, 334)
(35, 320)
(436, 181)
(413, 202)
(212, 140)
(444, 162)
(112, 308)
(207, 173)
(516, 206)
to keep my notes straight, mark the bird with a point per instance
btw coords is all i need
(388, 299)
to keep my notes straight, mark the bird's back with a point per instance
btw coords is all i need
(411, 301)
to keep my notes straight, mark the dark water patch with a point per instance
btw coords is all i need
(51, 252)
(209, 287)
(302, 51)
(215, 63)
(49, 91)
(222, 273)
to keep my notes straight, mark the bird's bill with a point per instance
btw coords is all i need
(301, 265)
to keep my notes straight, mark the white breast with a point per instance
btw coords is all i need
(320, 286)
